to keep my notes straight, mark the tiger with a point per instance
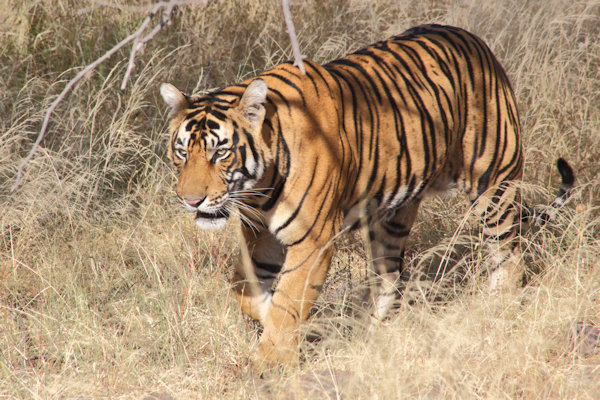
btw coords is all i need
(357, 142)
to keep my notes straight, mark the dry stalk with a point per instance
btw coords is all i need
(285, 4)
(189, 276)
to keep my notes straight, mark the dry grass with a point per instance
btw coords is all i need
(108, 291)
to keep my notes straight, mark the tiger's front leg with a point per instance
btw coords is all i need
(302, 277)
(252, 279)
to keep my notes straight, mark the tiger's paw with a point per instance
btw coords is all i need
(272, 357)
(505, 279)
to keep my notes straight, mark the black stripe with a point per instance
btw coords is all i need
(338, 77)
(272, 268)
(394, 230)
(364, 73)
(283, 99)
(316, 69)
(320, 209)
(212, 124)
(218, 114)
(287, 82)
(251, 144)
(297, 210)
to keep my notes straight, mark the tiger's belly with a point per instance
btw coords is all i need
(395, 198)
(352, 217)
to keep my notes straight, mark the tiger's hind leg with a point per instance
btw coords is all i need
(501, 211)
(504, 216)
(387, 240)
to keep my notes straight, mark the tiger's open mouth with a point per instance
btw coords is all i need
(213, 221)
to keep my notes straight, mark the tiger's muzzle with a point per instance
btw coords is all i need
(208, 216)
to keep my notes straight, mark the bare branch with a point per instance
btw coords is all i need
(148, 7)
(138, 44)
(285, 4)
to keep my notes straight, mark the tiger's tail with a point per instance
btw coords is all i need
(540, 218)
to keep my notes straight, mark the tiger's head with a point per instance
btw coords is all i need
(217, 148)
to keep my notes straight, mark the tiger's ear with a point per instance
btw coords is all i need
(252, 103)
(174, 98)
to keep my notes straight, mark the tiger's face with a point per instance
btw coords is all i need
(216, 147)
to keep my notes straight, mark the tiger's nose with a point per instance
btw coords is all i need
(194, 202)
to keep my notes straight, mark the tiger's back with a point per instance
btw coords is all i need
(430, 109)
(360, 139)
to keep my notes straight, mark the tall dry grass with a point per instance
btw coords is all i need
(107, 290)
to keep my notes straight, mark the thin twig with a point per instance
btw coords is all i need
(138, 44)
(42, 356)
(285, 4)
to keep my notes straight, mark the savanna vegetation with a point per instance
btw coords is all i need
(107, 289)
